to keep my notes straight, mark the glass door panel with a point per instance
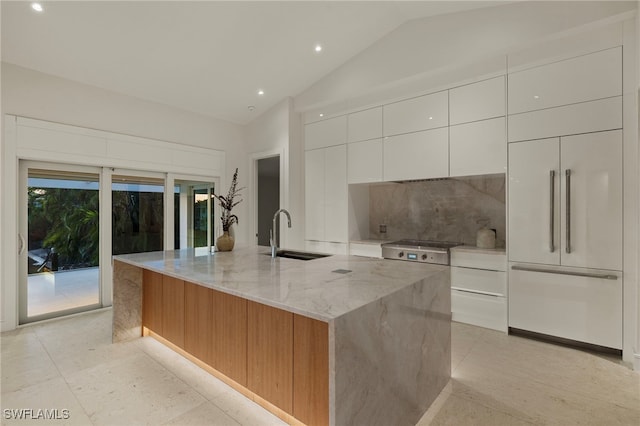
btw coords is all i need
(62, 244)
(194, 214)
(137, 214)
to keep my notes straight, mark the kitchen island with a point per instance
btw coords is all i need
(340, 340)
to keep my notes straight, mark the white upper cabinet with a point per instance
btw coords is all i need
(419, 155)
(477, 101)
(364, 125)
(585, 117)
(478, 148)
(330, 132)
(364, 161)
(413, 115)
(594, 76)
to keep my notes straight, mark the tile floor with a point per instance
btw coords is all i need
(70, 364)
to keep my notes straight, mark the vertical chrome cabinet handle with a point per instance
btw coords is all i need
(568, 224)
(552, 176)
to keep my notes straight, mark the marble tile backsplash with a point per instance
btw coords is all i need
(451, 209)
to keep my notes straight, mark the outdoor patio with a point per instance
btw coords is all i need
(57, 291)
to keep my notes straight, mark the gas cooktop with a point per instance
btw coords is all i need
(426, 251)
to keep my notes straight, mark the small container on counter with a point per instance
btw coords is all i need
(486, 238)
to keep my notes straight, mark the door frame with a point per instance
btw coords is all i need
(104, 250)
(170, 183)
(253, 178)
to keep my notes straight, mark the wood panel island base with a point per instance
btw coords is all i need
(340, 340)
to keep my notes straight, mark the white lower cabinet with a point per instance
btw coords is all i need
(365, 249)
(585, 307)
(325, 247)
(479, 309)
(479, 287)
(493, 283)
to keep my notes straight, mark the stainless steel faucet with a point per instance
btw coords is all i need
(272, 232)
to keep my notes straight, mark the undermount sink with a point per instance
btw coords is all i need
(300, 255)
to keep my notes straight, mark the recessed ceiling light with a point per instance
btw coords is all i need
(37, 7)
(536, 97)
(260, 92)
(321, 115)
(430, 118)
(318, 48)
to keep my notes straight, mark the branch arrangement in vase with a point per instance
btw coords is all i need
(227, 203)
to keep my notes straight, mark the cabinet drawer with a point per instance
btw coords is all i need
(367, 250)
(478, 148)
(477, 101)
(494, 282)
(364, 125)
(583, 78)
(332, 131)
(412, 115)
(491, 261)
(419, 155)
(479, 309)
(586, 117)
(579, 308)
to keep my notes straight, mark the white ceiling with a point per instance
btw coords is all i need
(207, 57)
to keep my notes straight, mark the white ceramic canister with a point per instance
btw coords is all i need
(486, 238)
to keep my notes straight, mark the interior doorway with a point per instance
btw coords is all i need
(268, 184)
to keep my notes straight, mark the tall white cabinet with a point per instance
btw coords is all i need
(326, 194)
(566, 199)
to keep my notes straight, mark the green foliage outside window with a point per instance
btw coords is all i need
(67, 221)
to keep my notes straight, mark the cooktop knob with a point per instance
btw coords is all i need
(401, 254)
(424, 257)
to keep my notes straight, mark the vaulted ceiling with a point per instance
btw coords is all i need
(208, 57)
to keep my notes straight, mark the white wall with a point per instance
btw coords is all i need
(274, 133)
(28, 93)
(637, 342)
(32, 94)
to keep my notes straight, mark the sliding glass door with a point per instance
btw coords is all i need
(193, 214)
(137, 214)
(74, 218)
(60, 241)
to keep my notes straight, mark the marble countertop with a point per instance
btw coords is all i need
(311, 288)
